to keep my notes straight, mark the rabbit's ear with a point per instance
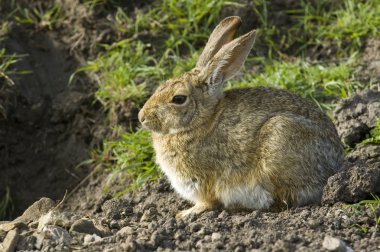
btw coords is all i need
(222, 34)
(226, 62)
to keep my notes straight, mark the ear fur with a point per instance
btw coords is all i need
(227, 62)
(222, 34)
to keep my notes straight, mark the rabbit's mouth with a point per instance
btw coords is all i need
(149, 124)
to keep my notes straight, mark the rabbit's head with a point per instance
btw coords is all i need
(188, 101)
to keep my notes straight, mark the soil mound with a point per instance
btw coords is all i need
(143, 220)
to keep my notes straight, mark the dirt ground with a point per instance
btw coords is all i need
(50, 126)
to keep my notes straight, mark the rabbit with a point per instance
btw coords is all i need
(244, 148)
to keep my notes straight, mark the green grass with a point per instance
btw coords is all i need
(164, 40)
(347, 26)
(39, 17)
(375, 134)
(359, 209)
(337, 28)
(128, 158)
(6, 206)
(322, 83)
(122, 72)
(7, 73)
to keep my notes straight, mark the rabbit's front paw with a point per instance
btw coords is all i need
(197, 209)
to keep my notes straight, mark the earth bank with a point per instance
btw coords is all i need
(143, 220)
(49, 127)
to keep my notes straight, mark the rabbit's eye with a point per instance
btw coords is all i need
(179, 99)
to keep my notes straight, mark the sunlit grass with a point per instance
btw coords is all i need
(128, 158)
(375, 134)
(360, 209)
(345, 27)
(165, 38)
(322, 83)
(39, 17)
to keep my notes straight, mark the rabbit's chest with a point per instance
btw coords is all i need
(186, 186)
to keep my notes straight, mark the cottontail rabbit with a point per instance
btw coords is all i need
(242, 148)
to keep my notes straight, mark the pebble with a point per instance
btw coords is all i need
(114, 224)
(85, 226)
(10, 241)
(335, 244)
(39, 240)
(216, 237)
(195, 227)
(125, 231)
(91, 238)
(58, 234)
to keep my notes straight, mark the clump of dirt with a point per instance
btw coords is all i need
(370, 62)
(360, 175)
(144, 221)
(355, 116)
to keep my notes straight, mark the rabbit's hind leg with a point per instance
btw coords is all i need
(295, 156)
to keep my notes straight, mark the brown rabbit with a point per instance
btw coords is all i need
(242, 148)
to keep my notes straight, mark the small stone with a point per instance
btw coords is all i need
(145, 217)
(114, 224)
(314, 223)
(216, 237)
(335, 244)
(113, 208)
(10, 241)
(85, 226)
(195, 227)
(11, 225)
(44, 220)
(26, 243)
(180, 235)
(39, 241)
(58, 234)
(207, 238)
(223, 214)
(91, 238)
(125, 231)
(152, 225)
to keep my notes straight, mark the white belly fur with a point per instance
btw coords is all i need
(247, 196)
(187, 188)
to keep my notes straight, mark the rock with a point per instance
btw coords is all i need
(355, 182)
(125, 231)
(91, 238)
(57, 218)
(114, 225)
(11, 225)
(334, 244)
(113, 208)
(39, 241)
(26, 243)
(216, 237)
(356, 115)
(364, 152)
(37, 209)
(195, 227)
(10, 241)
(44, 220)
(58, 234)
(85, 226)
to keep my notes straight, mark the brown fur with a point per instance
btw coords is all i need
(219, 140)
